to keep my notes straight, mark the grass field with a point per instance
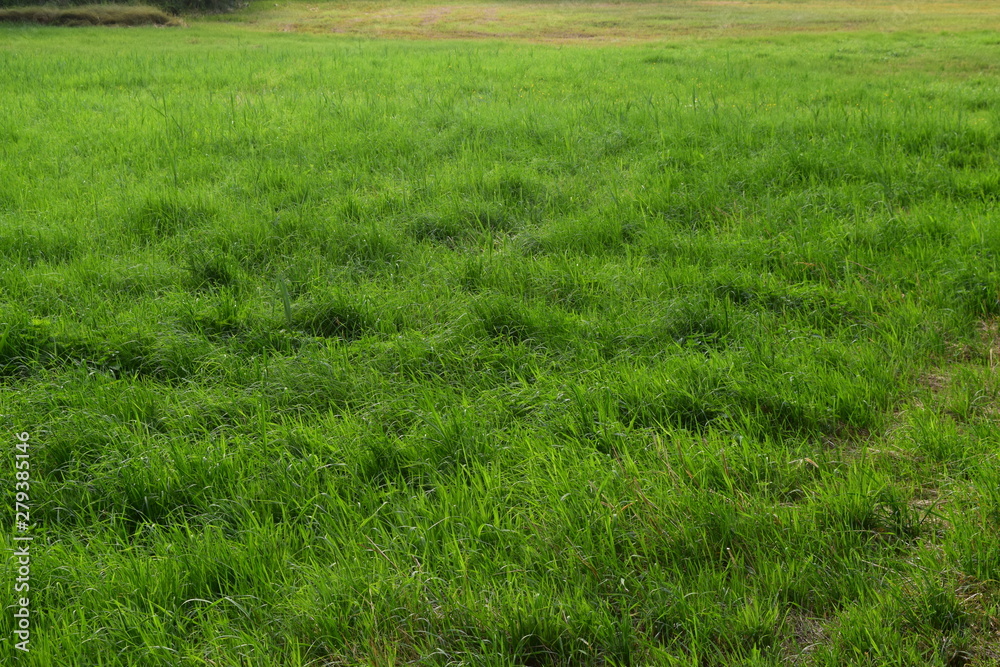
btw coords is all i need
(678, 347)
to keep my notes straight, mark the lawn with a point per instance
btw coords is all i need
(384, 334)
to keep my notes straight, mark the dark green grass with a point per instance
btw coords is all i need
(354, 352)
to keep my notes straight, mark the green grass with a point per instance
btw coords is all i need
(341, 351)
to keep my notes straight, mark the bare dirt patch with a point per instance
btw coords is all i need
(434, 16)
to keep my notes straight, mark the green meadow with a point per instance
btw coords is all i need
(567, 348)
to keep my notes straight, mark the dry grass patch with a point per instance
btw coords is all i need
(805, 634)
(89, 15)
(596, 22)
(990, 331)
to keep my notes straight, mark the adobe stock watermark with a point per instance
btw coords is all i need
(22, 542)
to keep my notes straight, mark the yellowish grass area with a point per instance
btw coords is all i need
(617, 22)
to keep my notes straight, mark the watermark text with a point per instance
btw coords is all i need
(22, 542)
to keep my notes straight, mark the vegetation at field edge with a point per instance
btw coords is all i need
(88, 15)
